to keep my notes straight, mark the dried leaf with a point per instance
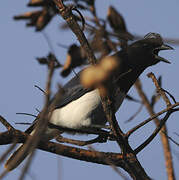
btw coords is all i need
(28, 15)
(46, 60)
(43, 19)
(75, 58)
(118, 24)
(39, 19)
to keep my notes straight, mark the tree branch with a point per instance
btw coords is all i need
(116, 159)
(164, 139)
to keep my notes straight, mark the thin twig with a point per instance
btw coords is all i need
(81, 16)
(3, 157)
(159, 127)
(171, 96)
(3, 174)
(28, 114)
(40, 89)
(98, 139)
(162, 93)
(135, 114)
(6, 124)
(27, 165)
(176, 143)
(150, 119)
(22, 123)
(176, 134)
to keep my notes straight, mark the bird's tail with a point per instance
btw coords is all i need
(16, 158)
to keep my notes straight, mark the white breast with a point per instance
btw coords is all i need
(84, 112)
(78, 112)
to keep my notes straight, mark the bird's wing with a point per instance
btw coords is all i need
(72, 91)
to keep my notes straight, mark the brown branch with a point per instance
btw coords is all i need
(3, 174)
(160, 91)
(116, 159)
(150, 119)
(98, 139)
(66, 13)
(135, 114)
(6, 124)
(159, 127)
(171, 96)
(176, 143)
(3, 156)
(164, 139)
(119, 135)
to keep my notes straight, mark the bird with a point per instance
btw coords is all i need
(81, 108)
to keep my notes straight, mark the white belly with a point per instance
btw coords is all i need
(78, 112)
(84, 112)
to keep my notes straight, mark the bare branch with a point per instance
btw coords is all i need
(116, 159)
(6, 124)
(27, 114)
(98, 139)
(171, 139)
(69, 17)
(150, 119)
(3, 157)
(159, 127)
(162, 93)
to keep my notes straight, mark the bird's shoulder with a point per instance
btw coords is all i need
(72, 90)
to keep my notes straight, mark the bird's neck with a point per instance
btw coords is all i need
(128, 79)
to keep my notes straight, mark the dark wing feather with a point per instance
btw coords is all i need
(72, 91)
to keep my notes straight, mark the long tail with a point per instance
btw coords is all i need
(16, 158)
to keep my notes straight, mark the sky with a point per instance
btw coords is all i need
(19, 72)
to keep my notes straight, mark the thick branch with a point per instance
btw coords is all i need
(116, 159)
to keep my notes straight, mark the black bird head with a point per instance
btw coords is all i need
(137, 57)
(145, 52)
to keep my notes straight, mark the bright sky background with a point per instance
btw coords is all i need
(19, 72)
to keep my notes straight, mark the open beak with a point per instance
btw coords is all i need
(163, 47)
